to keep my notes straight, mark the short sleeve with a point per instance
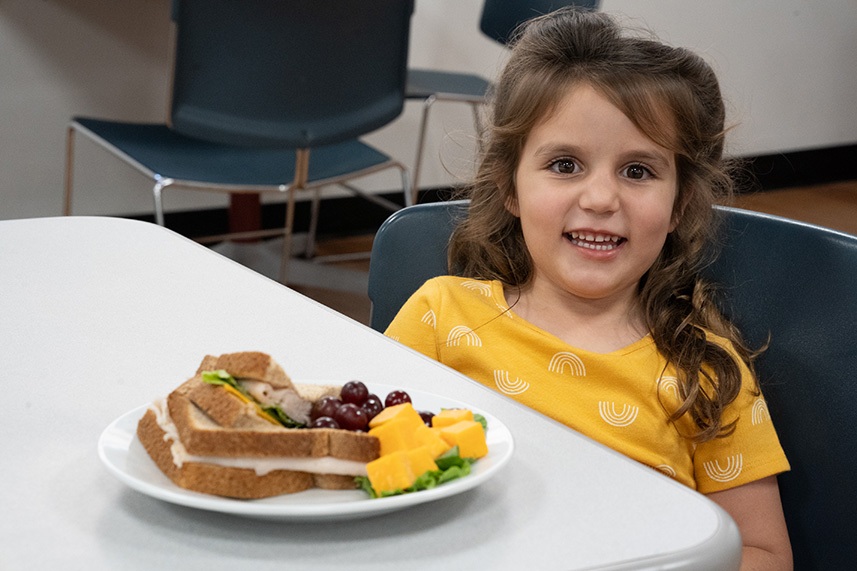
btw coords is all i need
(750, 453)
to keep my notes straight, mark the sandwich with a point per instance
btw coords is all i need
(236, 429)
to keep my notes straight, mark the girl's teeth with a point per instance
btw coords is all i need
(594, 242)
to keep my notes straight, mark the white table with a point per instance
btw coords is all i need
(101, 315)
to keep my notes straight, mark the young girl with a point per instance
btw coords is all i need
(590, 220)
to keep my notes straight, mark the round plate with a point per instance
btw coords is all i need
(125, 457)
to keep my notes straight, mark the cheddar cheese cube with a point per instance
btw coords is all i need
(395, 435)
(404, 411)
(469, 436)
(400, 469)
(450, 416)
(390, 472)
(431, 439)
(421, 461)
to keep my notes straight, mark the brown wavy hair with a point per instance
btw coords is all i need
(648, 81)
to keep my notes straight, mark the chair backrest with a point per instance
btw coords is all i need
(290, 73)
(409, 248)
(794, 281)
(798, 282)
(500, 18)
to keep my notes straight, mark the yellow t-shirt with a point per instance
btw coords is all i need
(622, 399)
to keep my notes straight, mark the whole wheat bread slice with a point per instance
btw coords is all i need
(229, 482)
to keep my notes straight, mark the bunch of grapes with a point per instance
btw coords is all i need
(355, 407)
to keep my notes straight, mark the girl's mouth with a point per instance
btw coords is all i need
(594, 240)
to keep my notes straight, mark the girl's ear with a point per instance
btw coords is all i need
(678, 210)
(512, 206)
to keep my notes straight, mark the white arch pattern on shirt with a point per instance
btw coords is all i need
(505, 384)
(462, 334)
(429, 318)
(760, 412)
(478, 287)
(564, 359)
(666, 470)
(734, 467)
(608, 413)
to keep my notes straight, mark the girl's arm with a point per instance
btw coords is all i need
(758, 511)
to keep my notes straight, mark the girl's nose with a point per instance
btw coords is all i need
(600, 193)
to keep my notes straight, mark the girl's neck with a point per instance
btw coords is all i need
(599, 326)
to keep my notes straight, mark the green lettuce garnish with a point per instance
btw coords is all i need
(451, 466)
(221, 377)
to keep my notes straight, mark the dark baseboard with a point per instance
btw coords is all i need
(802, 168)
(350, 216)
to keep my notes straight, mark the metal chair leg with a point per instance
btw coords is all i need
(157, 195)
(69, 168)
(315, 207)
(421, 137)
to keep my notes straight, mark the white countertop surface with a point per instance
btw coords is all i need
(101, 315)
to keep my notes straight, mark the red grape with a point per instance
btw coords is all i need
(354, 392)
(351, 417)
(325, 406)
(397, 397)
(426, 416)
(372, 405)
(324, 422)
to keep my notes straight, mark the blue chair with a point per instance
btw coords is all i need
(793, 281)
(498, 21)
(269, 96)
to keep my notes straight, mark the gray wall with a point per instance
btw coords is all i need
(787, 67)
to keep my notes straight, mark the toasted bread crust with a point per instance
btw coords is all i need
(252, 365)
(222, 481)
(225, 409)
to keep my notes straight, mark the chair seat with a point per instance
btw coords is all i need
(167, 154)
(424, 83)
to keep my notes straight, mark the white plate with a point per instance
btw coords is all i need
(125, 457)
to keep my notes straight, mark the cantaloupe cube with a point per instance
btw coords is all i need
(469, 436)
(394, 435)
(404, 411)
(390, 472)
(450, 416)
(431, 439)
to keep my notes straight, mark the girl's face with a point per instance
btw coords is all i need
(595, 198)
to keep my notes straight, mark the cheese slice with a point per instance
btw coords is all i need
(232, 390)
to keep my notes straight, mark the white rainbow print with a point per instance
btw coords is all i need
(503, 381)
(462, 334)
(565, 359)
(666, 470)
(669, 385)
(478, 287)
(611, 416)
(760, 411)
(505, 311)
(733, 468)
(429, 318)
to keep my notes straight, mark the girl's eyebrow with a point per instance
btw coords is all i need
(552, 149)
(657, 159)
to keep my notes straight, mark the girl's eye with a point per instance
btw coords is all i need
(563, 166)
(638, 172)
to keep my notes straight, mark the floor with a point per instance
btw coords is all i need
(342, 285)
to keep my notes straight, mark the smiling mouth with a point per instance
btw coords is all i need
(595, 241)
